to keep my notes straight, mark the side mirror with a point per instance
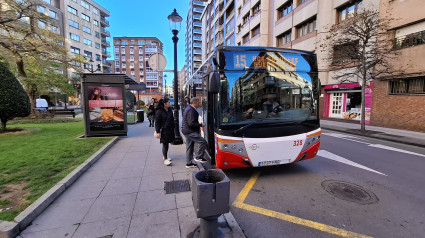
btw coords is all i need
(214, 83)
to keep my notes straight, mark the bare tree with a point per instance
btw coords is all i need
(360, 51)
(28, 41)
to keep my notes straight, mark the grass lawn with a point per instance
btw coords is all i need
(34, 160)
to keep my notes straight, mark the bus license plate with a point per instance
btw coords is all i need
(271, 162)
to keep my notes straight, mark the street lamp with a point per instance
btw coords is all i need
(175, 23)
(91, 70)
(165, 86)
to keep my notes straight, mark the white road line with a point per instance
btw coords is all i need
(395, 149)
(346, 137)
(331, 156)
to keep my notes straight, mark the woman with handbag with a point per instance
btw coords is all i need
(151, 114)
(164, 127)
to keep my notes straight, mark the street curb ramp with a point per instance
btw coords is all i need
(10, 229)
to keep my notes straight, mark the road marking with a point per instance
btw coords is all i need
(331, 156)
(347, 137)
(239, 202)
(395, 149)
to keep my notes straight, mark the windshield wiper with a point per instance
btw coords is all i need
(243, 128)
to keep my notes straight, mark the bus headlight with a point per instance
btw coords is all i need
(233, 146)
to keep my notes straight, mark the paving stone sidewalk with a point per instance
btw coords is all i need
(122, 195)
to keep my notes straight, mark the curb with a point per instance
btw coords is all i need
(12, 229)
(375, 137)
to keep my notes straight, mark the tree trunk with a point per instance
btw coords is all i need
(363, 112)
(3, 125)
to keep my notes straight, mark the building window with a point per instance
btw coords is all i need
(52, 14)
(256, 9)
(117, 63)
(245, 38)
(41, 9)
(245, 19)
(132, 42)
(124, 42)
(86, 30)
(97, 34)
(306, 27)
(123, 58)
(407, 86)
(141, 42)
(117, 56)
(74, 37)
(349, 10)
(85, 17)
(284, 9)
(122, 50)
(53, 29)
(48, 1)
(97, 45)
(87, 41)
(72, 10)
(87, 54)
(85, 5)
(73, 24)
(255, 31)
(299, 2)
(96, 11)
(75, 50)
(131, 51)
(96, 23)
(284, 38)
(98, 58)
(116, 49)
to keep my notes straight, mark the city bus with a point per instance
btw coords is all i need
(259, 106)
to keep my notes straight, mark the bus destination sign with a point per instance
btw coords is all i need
(262, 60)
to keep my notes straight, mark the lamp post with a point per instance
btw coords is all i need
(175, 23)
(165, 86)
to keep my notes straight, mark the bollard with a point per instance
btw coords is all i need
(210, 196)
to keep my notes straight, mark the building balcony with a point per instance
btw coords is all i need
(105, 43)
(105, 32)
(199, 3)
(104, 22)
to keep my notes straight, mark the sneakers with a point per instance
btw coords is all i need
(167, 162)
(200, 160)
(167, 159)
(191, 165)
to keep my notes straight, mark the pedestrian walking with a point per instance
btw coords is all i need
(151, 113)
(191, 128)
(164, 127)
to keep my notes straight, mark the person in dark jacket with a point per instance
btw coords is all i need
(151, 113)
(164, 127)
(191, 129)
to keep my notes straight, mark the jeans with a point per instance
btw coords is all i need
(190, 142)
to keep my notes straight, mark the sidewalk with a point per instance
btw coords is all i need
(122, 195)
(382, 133)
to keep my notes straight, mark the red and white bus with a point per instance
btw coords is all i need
(259, 104)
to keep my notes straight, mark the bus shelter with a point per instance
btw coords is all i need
(104, 104)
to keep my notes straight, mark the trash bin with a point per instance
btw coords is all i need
(140, 115)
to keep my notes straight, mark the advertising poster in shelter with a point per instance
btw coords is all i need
(105, 108)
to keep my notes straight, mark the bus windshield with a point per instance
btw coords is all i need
(263, 90)
(245, 97)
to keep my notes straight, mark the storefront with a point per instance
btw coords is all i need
(343, 101)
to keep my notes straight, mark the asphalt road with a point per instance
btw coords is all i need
(355, 187)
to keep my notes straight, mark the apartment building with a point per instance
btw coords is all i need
(399, 99)
(131, 55)
(85, 33)
(194, 39)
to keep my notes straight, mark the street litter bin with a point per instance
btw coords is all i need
(140, 115)
(210, 196)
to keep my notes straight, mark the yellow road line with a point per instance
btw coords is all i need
(296, 220)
